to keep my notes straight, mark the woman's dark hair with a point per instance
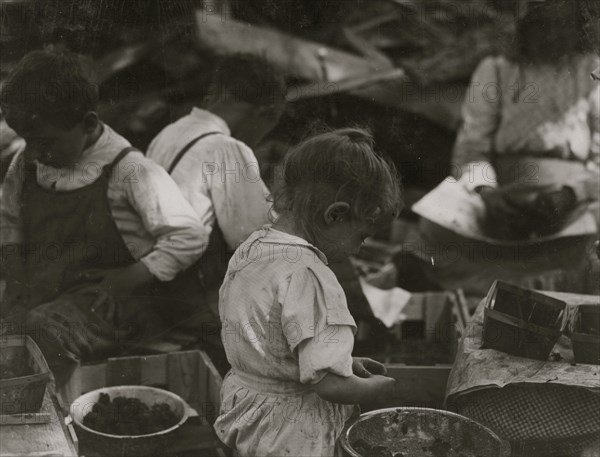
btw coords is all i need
(550, 31)
(340, 165)
(55, 86)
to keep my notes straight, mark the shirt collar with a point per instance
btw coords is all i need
(99, 146)
(102, 152)
(211, 121)
(268, 234)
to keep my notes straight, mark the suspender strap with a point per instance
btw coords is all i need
(110, 167)
(186, 148)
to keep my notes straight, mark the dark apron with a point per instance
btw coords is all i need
(195, 291)
(65, 234)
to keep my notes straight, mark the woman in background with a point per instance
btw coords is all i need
(533, 114)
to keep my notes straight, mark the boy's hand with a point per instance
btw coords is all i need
(364, 367)
(116, 283)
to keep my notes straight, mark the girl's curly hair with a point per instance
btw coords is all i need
(339, 165)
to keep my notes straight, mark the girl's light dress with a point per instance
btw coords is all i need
(286, 325)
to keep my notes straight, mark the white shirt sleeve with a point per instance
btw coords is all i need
(10, 202)
(318, 326)
(480, 113)
(239, 196)
(587, 188)
(166, 215)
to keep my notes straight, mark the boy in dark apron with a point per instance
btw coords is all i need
(89, 225)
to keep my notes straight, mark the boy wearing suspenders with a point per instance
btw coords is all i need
(208, 153)
(89, 227)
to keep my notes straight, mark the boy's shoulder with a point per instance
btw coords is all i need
(221, 143)
(136, 166)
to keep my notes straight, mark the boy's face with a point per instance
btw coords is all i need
(54, 145)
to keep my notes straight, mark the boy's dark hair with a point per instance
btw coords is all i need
(551, 30)
(55, 86)
(340, 165)
(250, 79)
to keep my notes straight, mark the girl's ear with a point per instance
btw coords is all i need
(336, 212)
(90, 121)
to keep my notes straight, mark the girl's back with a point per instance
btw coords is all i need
(279, 293)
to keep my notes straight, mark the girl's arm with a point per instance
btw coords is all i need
(354, 390)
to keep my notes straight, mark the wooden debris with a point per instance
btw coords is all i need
(365, 48)
(325, 89)
(299, 58)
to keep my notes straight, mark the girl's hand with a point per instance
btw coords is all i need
(364, 367)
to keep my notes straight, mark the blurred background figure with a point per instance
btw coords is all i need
(534, 116)
(527, 160)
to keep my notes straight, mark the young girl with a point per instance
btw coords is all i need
(287, 330)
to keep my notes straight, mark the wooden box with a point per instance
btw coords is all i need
(24, 389)
(430, 332)
(189, 374)
(424, 348)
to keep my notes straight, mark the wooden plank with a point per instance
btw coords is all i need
(214, 382)
(67, 429)
(161, 347)
(194, 436)
(317, 89)
(376, 22)
(154, 370)
(437, 311)
(202, 382)
(71, 390)
(365, 48)
(297, 57)
(47, 439)
(27, 418)
(419, 385)
(463, 315)
(182, 375)
(92, 377)
(123, 371)
(439, 35)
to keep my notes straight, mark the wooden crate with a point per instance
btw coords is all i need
(419, 386)
(189, 374)
(433, 319)
(434, 323)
